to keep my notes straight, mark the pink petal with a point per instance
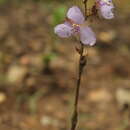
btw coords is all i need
(106, 12)
(87, 36)
(76, 15)
(63, 30)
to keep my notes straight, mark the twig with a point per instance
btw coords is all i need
(82, 63)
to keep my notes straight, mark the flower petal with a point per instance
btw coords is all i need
(105, 8)
(87, 36)
(76, 15)
(63, 30)
(106, 12)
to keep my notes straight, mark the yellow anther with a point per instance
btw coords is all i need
(75, 25)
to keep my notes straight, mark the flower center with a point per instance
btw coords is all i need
(76, 28)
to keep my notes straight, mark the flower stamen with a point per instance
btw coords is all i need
(76, 28)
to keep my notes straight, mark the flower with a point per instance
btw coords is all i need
(105, 8)
(73, 25)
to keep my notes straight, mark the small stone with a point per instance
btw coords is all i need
(123, 97)
(2, 97)
(16, 73)
(47, 120)
(100, 95)
(25, 60)
(107, 37)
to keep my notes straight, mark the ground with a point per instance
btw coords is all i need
(38, 73)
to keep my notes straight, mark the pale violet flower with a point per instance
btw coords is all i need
(105, 8)
(74, 25)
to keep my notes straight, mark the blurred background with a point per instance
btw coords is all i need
(38, 70)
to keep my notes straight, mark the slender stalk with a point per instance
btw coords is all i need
(82, 63)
